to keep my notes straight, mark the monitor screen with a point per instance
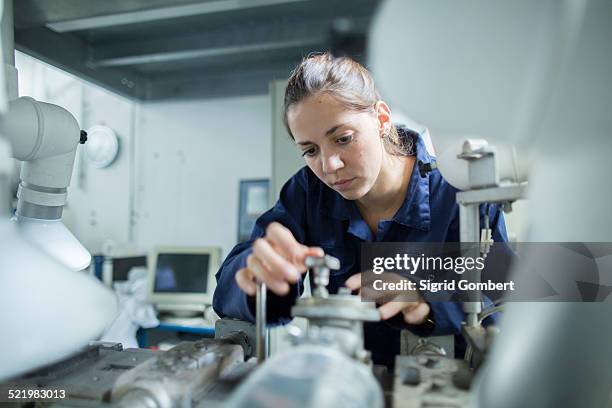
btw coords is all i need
(181, 273)
(182, 279)
(121, 266)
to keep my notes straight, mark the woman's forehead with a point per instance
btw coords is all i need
(315, 115)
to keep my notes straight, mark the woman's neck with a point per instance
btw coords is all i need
(389, 191)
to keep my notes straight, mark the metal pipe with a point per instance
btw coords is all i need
(469, 230)
(260, 322)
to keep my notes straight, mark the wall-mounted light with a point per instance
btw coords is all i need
(102, 146)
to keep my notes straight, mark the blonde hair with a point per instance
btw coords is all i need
(348, 82)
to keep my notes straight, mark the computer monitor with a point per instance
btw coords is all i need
(181, 280)
(116, 268)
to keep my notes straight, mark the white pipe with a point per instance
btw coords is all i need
(38, 130)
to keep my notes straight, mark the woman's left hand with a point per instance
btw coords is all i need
(415, 312)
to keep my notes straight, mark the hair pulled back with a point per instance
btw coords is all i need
(348, 82)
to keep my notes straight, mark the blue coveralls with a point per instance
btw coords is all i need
(319, 216)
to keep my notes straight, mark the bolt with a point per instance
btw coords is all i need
(320, 267)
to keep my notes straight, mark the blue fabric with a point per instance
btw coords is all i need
(319, 216)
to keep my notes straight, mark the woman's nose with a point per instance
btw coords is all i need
(332, 163)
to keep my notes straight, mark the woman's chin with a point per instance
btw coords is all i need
(352, 194)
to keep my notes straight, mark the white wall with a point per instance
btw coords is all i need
(190, 159)
(175, 180)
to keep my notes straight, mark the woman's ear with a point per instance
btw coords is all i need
(383, 114)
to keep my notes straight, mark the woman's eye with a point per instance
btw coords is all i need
(309, 152)
(344, 139)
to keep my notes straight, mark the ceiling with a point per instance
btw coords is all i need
(162, 49)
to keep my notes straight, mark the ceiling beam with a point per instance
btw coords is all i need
(268, 36)
(68, 53)
(160, 13)
(205, 53)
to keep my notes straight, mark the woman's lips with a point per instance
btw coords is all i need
(343, 184)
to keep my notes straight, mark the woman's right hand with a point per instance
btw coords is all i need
(277, 260)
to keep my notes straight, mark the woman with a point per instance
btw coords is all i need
(360, 184)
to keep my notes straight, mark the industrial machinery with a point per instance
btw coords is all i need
(328, 366)
(509, 90)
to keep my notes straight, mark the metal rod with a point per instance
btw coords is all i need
(260, 322)
(469, 230)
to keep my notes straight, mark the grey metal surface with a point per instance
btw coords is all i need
(177, 49)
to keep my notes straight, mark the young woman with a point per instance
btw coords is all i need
(360, 184)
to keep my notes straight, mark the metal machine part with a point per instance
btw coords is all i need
(310, 376)
(326, 368)
(88, 375)
(335, 320)
(177, 377)
(261, 320)
(431, 381)
(321, 267)
(411, 344)
(484, 187)
(238, 332)
(105, 375)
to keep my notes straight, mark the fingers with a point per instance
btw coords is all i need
(418, 314)
(278, 266)
(246, 281)
(283, 241)
(245, 278)
(390, 309)
(414, 312)
(277, 260)
(354, 282)
(274, 279)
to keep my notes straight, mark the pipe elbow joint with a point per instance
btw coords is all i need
(39, 130)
